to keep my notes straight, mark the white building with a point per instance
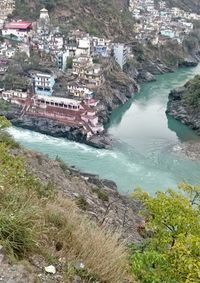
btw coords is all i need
(120, 54)
(44, 84)
(83, 47)
(43, 24)
(62, 59)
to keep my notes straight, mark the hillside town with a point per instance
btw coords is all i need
(157, 22)
(78, 59)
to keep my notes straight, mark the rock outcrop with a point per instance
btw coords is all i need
(99, 199)
(189, 62)
(179, 109)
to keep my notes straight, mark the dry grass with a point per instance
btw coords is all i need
(34, 219)
(101, 252)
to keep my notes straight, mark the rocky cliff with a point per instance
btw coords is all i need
(184, 104)
(118, 88)
(97, 198)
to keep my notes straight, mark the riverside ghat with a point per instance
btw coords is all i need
(57, 116)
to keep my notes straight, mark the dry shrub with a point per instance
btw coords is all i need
(35, 219)
(100, 250)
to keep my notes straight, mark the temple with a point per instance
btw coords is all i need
(67, 111)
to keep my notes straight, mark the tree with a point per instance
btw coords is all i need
(172, 253)
(4, 123)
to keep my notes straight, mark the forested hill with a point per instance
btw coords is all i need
(109, 18)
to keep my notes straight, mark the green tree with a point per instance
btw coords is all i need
(171, 254)
(4, 123)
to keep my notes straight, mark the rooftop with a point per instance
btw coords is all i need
(43, 10)
(59, 100)
(18, 25)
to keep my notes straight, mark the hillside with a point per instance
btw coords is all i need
(187, 5)
(108, 18)
(52, 215)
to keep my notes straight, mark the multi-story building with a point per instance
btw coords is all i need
(120, 54)
(80, 64)
(83, 48)
(44, 84)
(94, 75)
(87, 71)
(62, 59)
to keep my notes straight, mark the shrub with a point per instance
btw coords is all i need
(34, 219)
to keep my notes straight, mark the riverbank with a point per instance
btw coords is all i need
(97, 198)
(183, 105)
(52, 127)
(119, 87)
(143, 139)
(63, 222)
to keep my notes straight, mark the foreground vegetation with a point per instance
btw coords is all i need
(37, 220)
(171, 252)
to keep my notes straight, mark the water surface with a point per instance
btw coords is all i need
(144, 152)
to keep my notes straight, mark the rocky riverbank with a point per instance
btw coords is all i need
(118, 88)
(179, 108)
(54, 128)
(189, 150)
(99, 199)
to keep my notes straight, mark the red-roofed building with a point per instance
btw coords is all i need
(19, 29)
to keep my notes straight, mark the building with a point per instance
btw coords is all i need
(120, 54)
(13, 95)
(87, 71)
(43, 24)
(94, 75)
(101, 50)
(20, 30)
(44, 83)
(71, 45)
(83, 47)
(80, 64)
(79, 90)
(62, 60)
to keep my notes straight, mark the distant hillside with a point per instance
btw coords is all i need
(187, 5)
(109, 18)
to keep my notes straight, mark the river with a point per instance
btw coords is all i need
(144, 152)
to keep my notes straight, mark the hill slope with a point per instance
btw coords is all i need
(187, 5)
(109, 18)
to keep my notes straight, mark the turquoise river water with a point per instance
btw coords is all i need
(146, 142)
